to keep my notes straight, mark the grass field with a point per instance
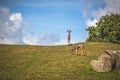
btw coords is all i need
(23, 62)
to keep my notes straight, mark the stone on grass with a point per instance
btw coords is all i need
(107, 62)
(103, 64)
(115, 55)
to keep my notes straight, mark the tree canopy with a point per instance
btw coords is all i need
(106, 30)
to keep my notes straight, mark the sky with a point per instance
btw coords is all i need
(45, 22)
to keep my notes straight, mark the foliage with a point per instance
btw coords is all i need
(107, 29)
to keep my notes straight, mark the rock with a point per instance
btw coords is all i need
(103, 64)
(115, 55)
(107, 62)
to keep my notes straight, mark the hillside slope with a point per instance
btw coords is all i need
(23, 62)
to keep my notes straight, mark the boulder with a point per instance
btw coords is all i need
(107, 62)
(115, 55)
(103, 64)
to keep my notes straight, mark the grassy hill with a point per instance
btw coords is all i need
(23, 62)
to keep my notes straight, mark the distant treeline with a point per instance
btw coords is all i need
(107, 29)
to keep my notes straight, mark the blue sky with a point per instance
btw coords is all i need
(45, 22)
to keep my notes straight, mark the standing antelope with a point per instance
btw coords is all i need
(77, 47)
(68, 37)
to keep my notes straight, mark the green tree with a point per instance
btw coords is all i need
(107, 30)
(92, 33)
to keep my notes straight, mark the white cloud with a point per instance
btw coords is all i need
(16, 18)
(112, 6)
(42, 39)
(113, 3)
(98, 13)
(30, 41)
(61, 42)
(91, 22)
(11, 27)
(12, 31)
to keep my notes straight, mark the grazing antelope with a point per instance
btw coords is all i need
(78, 47)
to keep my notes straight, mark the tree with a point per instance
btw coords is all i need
(92, 33)
(107, 30)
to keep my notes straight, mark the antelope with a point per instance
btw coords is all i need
(77, 47)
(69, 37)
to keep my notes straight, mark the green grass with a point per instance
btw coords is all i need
(20, 62)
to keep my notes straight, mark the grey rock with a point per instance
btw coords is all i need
(103, 64)
(115, 55)
(107, 62)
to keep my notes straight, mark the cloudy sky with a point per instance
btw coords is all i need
(45, 22)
